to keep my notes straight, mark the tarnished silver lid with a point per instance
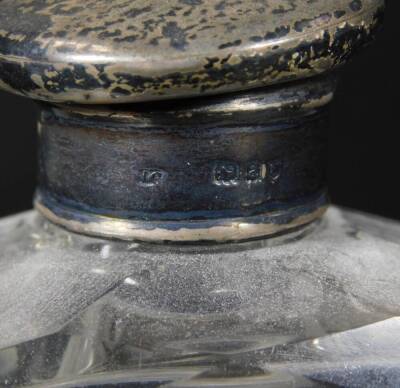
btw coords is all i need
(119, 51)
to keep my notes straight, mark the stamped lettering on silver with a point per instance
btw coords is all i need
(226, 174)
(256, 172)
(230, 174)
(150, 177)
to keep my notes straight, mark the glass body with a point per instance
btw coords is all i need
(317, 307)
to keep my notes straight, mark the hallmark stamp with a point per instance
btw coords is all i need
(226, 174)
(256, 172)
(230, 174)
(151, 177)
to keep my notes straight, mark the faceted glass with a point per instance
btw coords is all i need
(318, 307)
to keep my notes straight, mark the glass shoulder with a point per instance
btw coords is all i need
(318, 306)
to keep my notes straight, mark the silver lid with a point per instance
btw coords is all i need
(102, 51)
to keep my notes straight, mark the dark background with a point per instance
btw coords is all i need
(364, 156)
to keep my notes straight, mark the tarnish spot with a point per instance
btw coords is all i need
(149, 50)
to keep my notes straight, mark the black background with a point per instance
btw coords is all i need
(364, 155)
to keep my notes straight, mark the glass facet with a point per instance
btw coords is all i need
(318, 307)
